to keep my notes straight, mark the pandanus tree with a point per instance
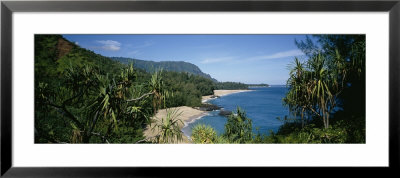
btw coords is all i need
(345, 55)
(122, 102)
(157, 90)
(321, 95)
(297, 99)
(111, 105)
(168, 128)
(67, 99)
(314, 89)
(97, 104)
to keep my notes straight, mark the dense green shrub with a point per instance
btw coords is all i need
(186, 89)
(204, 134)
(238, 128)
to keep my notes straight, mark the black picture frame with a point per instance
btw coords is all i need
(8, 7)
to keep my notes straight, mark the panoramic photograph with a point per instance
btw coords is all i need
(199, 89)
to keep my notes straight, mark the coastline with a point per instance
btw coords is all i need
(220, 93)
(195, 117)
(188, 114)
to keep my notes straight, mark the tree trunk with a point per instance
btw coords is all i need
(327, 119)
(323, 118)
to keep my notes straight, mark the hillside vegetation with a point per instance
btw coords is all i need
(175, 66)
(84, 97)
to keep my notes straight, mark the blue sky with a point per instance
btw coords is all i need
(238, 58)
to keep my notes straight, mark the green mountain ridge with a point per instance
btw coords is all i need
(176, 66)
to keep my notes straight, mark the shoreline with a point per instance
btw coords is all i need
(194, 118)
(188, 114)
(220, 93)
(191, 120)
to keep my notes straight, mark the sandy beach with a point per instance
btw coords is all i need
(188, 114)
(219, 93)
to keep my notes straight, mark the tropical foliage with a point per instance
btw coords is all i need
(329, 85)
(83, 97)
(204, 134)
(230, 86)
(326, 96)
(168, 129)
(238, 128)
(187, 88)
(94, 108)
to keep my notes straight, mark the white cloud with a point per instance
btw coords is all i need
(278, 55)
(216, 60)
(110, 45)
(283, 54)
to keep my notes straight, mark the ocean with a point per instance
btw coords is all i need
(262, 106)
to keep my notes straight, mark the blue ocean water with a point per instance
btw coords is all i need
(262, 106)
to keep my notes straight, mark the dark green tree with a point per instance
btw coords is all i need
(238, 128)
